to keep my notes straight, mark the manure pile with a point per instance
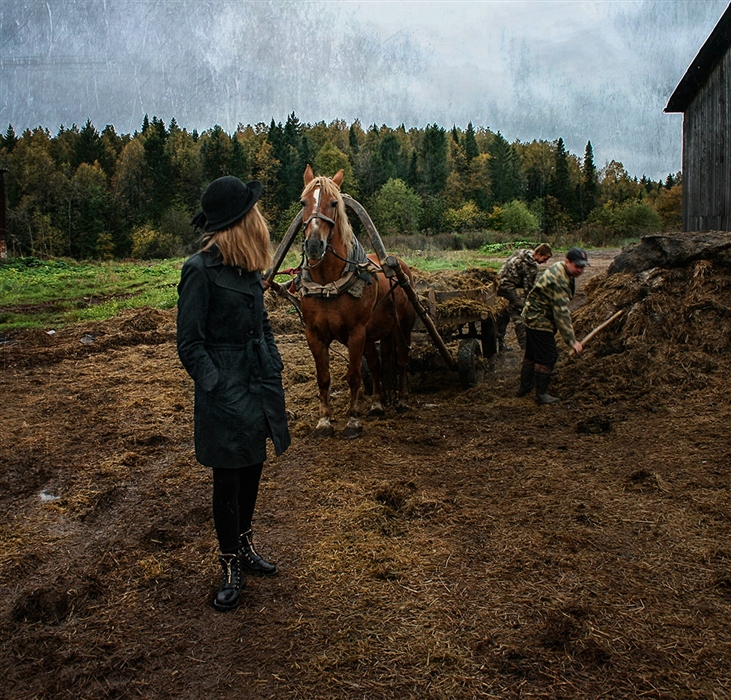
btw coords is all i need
(674, 333)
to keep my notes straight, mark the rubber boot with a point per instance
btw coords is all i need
(233, 581)
(542, 380)
(527, 371)
(251, 560)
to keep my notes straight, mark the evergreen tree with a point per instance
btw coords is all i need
(353, 140)
(307, 155)
(589, 183)
(159, 168)
(506, 176)
(393, 162)
(237, 164)
(560, 185)
(455, 135)
(88, 146)
(291, 160)
(412, 179)
(64, 149)
(432, 157)
(368, 163)
(472, 150)
(9, 140)
(216, 152)
(111, 147)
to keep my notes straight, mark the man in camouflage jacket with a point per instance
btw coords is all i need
(547, 310)
(518, 272)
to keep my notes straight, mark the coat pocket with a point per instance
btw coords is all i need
(234, 372)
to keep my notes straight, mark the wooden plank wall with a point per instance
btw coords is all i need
(707, 154)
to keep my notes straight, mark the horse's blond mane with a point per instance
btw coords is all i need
(330, 189)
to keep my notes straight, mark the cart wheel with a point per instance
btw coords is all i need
(470, 363)
(365, 372)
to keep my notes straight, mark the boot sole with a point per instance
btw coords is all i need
(225, 608)
(258, 572)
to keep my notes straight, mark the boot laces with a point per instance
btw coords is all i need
(231, 573)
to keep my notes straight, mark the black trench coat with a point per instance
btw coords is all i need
(226, 345)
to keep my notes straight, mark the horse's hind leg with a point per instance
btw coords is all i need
(321, 354)
(403, 351)
(374, 365)
(356, 343)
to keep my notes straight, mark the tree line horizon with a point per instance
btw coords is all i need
(87, 194)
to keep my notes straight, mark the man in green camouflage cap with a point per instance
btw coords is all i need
(547, 310)
(518, 272)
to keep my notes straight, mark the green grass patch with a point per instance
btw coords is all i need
(47, 294)
(50, 293)
(432, 261)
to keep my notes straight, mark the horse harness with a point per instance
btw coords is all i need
(354, 279)
(356, 274)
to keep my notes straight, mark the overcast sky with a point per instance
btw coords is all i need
(599, 70)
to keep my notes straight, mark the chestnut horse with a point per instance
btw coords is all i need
(346, 297)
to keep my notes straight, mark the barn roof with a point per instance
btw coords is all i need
(700, 69)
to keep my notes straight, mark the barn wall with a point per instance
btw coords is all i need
(707, 154)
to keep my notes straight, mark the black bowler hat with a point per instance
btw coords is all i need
(578, 256)
(225, 201)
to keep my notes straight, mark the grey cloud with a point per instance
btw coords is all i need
(596, 70)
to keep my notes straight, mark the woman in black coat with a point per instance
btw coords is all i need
(226, 345)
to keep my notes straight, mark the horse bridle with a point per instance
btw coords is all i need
(317, 214)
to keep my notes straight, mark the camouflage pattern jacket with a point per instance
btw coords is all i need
(547, 305)
(519, 271)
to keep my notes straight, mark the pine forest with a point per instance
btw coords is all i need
(87, 194)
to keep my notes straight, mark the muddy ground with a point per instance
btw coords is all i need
(480, 546)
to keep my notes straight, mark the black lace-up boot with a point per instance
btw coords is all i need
(251, 560)
(231, 584)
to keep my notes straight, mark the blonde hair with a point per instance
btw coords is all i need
(330, 189)
(245, 244)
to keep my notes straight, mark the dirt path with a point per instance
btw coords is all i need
(479, 546)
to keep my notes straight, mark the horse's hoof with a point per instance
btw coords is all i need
(403, 408)
(324, 431)
(352, 431)
(376, 412)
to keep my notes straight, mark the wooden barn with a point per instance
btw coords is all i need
(704, 97)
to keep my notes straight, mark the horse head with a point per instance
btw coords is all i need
(323, 216)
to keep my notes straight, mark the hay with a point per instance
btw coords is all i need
(478, 546)
(672, 337)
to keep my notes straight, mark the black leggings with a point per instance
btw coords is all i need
(234, 498)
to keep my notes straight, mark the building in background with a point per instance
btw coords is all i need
(704, 98)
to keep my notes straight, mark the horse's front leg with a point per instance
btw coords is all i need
(321, 354)
(356, 343)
